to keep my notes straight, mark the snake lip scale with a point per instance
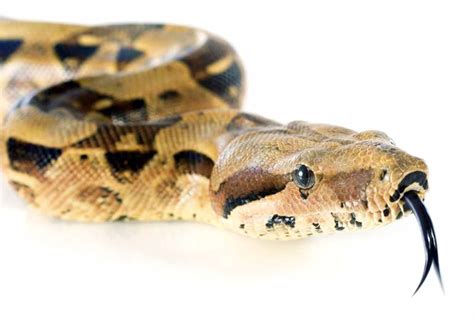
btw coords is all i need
(142, 122)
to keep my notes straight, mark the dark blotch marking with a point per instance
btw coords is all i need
(126, 55)
(386, 212)
(212, 51)
(80, 101)
(169, 95)
(209, 53)
(279, 220)
(304, 194)
(317, 226)
(190, 161)
(242, 226)
(245, 186)
(354, 221)
(8, 47)
(365, 204)
(74, 51)
(126, 111)
(417, 176)
(338, 225)
(128, 160)
(220, 83)
(21, 153)
(68, 95)
(107, 134)
(106, 192)
(124, 218)
(399, 215)
(231, 203)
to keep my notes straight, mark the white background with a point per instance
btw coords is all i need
(404, 67)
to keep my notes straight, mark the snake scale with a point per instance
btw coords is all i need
(143, 123)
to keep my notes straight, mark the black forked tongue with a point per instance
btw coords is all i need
(413, 202)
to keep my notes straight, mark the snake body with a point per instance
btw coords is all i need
(143, 123)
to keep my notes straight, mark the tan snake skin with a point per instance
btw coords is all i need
(142, 123)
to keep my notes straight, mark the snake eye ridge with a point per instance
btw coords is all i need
(304, 177)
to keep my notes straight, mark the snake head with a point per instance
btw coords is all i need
(289, 182)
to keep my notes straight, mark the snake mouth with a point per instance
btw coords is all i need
(412, 202)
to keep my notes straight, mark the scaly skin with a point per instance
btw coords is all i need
(142, 122)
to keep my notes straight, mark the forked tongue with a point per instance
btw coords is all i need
(413, 202)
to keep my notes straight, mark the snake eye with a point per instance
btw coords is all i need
(304, 177)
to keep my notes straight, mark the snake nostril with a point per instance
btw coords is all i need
(384, 175)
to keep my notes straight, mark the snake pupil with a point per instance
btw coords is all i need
(304, 177)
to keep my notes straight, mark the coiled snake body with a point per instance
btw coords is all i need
(142, 123)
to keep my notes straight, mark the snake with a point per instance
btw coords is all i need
(143, 122)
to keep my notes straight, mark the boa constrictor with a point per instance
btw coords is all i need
(142, 123)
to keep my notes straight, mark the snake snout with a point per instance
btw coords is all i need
(413, 181)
